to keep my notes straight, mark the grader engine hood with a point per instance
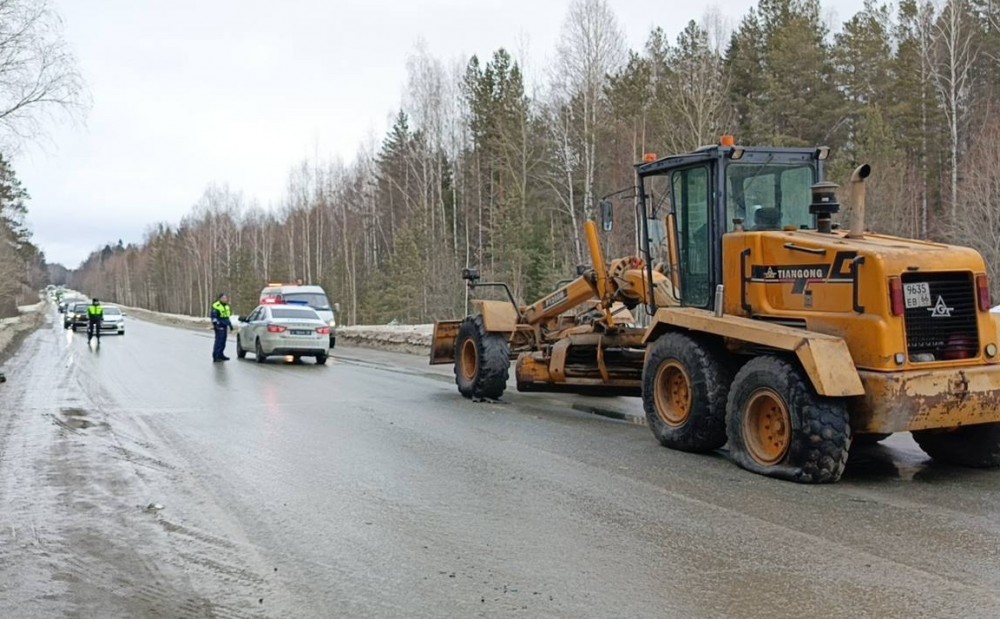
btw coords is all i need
(897, 302)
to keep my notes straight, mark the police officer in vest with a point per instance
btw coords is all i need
(220, 323)
(95, 314)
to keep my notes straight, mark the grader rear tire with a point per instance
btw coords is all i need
(482, 360)
(684, 388)
(778, 426)
(971, 446)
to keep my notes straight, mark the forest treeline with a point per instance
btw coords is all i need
(486, 166)
(22, 264)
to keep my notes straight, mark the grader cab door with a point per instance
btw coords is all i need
(691, 192)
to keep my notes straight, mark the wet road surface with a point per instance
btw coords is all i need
(140, 479)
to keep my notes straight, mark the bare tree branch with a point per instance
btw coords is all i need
(39, 78)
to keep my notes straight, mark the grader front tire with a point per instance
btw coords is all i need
(778, 426)
(482, 360)
(684, 387)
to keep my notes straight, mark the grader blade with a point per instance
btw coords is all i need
(443, 343)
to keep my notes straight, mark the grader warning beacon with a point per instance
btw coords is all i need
(788, 337)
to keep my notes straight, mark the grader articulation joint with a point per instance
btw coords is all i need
(580, 338)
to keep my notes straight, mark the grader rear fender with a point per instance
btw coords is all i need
(825, 358)
(498, 317)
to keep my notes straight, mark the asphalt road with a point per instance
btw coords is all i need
(140, 479)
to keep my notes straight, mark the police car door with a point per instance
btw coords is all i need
(249, 330)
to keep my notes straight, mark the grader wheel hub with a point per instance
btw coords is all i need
(673, 394)
(470, 359)
(767, 427)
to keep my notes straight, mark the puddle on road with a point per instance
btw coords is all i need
(75, 419)
(880, 463)
(439, 377)
(610, 413)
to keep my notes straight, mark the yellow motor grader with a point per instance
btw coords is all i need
(783, 334)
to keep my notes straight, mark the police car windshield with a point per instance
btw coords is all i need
(296, 314)
(111, 311)
(315, 300)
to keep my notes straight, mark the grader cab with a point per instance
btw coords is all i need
(771, 328)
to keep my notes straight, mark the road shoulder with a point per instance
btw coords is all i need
(13, 330)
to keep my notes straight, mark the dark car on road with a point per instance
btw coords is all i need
(75, 316)
(65, 304)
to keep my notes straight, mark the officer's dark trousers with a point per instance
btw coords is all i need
(218, 351)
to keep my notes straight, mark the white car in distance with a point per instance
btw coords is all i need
(113, 320)
(283, 330)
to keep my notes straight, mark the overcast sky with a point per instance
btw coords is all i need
(190, 92)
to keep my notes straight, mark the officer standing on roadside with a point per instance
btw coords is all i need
(220, 323)
(95, 314)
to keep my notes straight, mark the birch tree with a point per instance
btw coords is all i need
(38, 73)
(954, 53)
(591, 47)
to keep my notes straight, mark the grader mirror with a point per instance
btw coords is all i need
(607, 219)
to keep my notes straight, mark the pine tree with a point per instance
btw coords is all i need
(13, 207)
(782, 77)
(864, 64)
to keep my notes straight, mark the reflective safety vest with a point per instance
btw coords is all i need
(95, 311)
(222, 309)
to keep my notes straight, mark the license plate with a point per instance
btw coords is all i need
(301, 332)
(917, 295)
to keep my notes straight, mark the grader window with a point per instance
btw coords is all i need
(690, 189)
(768, 197)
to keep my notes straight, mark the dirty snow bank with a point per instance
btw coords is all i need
(412, 339)
(11, 329)
(172, 320)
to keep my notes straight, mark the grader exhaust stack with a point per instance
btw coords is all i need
(858, 201)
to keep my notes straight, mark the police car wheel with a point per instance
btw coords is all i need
(240, 353)
(259, 352)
